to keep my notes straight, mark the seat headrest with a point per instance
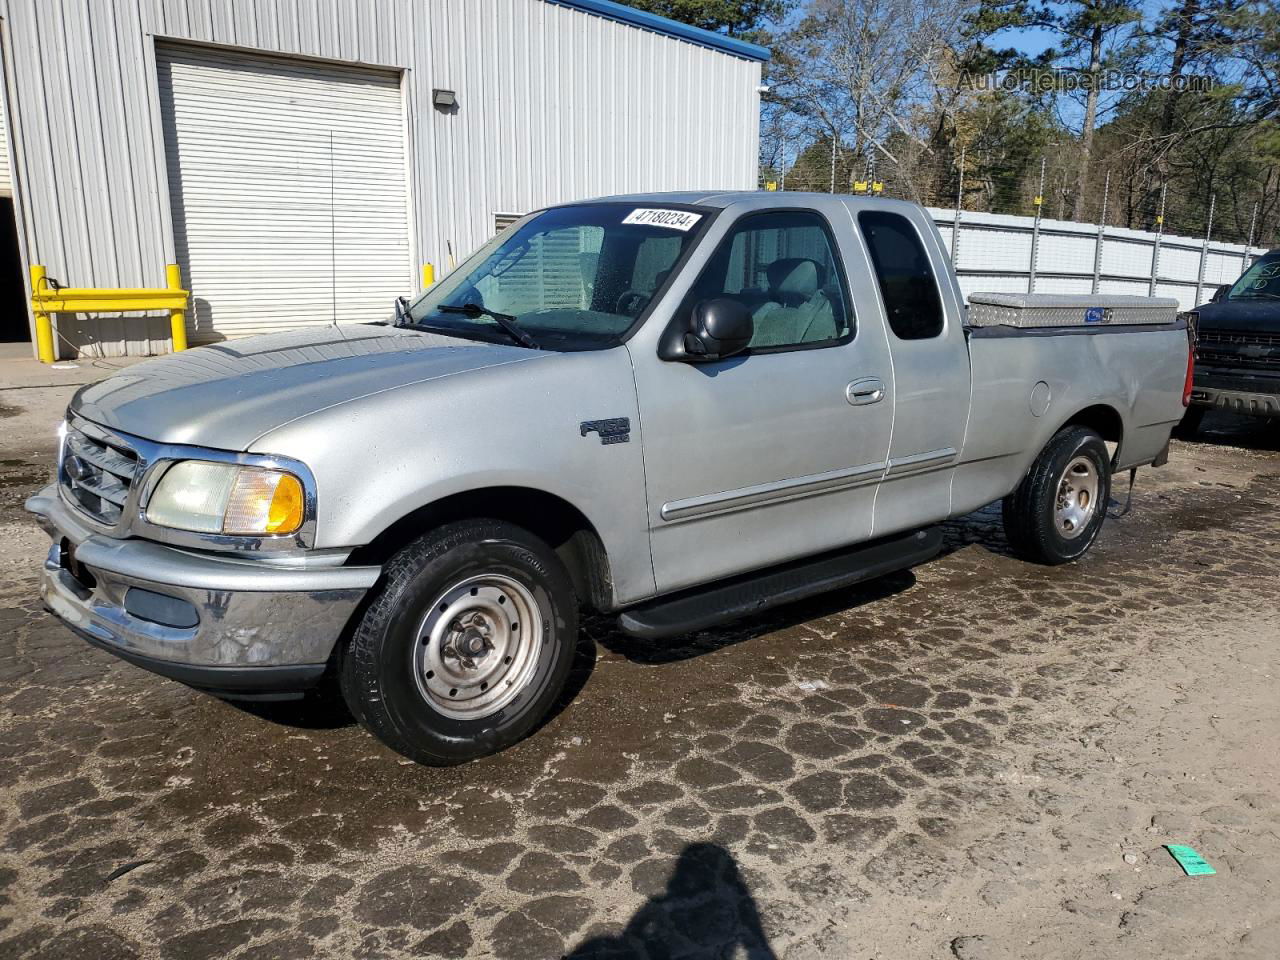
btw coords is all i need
(794, 277)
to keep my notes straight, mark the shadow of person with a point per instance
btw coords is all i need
(705, 913)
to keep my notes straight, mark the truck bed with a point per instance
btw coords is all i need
(1027, 380)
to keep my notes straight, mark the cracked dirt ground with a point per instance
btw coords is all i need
(979, 759)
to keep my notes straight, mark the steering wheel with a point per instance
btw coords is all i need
(632, 302)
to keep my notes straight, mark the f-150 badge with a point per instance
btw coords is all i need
(616, 430)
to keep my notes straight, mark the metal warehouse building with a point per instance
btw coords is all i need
(301, 160)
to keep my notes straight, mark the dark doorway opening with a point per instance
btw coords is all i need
(14, 325)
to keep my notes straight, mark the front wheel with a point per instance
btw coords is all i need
(1055, 513)
(467, 645)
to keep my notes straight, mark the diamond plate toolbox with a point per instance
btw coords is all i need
(1067, 310)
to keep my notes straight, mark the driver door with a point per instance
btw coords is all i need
(774, 453)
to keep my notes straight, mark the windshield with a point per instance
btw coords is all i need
(569, 278)
(1260, 282)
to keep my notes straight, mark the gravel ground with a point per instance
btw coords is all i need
(976, 759)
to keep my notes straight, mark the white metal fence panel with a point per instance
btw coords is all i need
(1128, 257)
(1049, 283)
(1222, 267)
(1136, 288)
(995, 253)
(1066, 253)
(1178, 263)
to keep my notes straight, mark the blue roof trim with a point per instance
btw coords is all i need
(671, 28)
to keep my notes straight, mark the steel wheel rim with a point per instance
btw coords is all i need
(476, 649)
(1077, 499)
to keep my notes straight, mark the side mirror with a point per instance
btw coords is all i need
(716, 329)
(1220, 293)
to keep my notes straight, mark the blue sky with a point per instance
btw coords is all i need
(1030, 41)
(1036, 40)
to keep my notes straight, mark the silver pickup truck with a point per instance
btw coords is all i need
(675, 408)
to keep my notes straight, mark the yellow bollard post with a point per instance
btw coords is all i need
(177, 318)
(44, 326)
(428, 275)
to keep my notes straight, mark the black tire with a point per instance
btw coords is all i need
(384, 673)
(1189, 426)
(1032, 522)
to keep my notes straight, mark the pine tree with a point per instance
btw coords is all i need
(1089, 31)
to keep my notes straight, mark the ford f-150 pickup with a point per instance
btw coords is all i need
(674, 408)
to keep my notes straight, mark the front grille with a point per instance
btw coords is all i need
(1240, 336)
(1239, 348)
(97, 473)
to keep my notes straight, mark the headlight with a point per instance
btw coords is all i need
(227, 498)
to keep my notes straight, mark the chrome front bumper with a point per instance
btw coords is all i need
(226, 624)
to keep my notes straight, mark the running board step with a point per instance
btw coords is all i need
(716, 603)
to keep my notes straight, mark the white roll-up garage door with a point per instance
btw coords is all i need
(288, 188)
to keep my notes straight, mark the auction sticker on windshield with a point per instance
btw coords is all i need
(675, 219)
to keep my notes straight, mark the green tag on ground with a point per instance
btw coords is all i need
(1192, 864)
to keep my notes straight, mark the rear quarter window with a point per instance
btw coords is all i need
(907, 285)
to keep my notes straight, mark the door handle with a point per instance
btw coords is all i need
(861, 392)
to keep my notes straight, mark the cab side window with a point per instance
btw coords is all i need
(907, 286)
(782, 266)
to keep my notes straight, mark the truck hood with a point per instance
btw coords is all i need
(1251, 316)
(229, 394)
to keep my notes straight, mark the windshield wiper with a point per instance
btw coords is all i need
(505, 320)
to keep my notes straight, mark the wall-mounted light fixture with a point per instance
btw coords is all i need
(444, 99)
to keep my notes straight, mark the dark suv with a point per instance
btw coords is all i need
(1238, 353)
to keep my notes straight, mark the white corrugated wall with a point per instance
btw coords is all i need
(553, 104)
(6, 179)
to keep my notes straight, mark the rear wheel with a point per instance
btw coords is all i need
(1055, 513)
(466, 647)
